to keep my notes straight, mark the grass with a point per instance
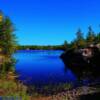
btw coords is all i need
(11, 88)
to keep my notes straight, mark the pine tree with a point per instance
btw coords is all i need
(90, 39)
(7, 40)
(65, 45)
(80, 41)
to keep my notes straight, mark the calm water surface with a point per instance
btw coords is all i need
(42, 67)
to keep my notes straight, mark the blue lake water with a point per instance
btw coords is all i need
(42, 67)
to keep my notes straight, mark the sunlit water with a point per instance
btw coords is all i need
(40, 67)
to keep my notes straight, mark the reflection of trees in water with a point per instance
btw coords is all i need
(81, 73)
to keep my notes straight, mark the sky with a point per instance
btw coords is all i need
(51, 22)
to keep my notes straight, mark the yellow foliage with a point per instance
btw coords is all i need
(1, 17)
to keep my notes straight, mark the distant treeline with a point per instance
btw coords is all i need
(35, 47)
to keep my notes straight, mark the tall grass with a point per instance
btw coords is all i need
(11, 88)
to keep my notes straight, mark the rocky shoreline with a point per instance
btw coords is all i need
(83, 61)
(75, 94)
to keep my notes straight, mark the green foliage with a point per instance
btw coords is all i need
(90, 39)
(35, 47)
(79, 34)
(7, 41)
(73, 44)
(7, 37)
(80, 41)
(65, 45)
(13, 89)
(97, 38)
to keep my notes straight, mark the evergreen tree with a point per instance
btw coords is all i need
(90, 39)
(65, 45)
(9, 37)
(7, 40)
(80, 42)
(73, 44)
(97, 38)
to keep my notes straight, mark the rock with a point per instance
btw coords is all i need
(80, 63)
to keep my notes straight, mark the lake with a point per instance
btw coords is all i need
(41, 67)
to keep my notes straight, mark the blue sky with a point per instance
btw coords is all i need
(50, 22)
